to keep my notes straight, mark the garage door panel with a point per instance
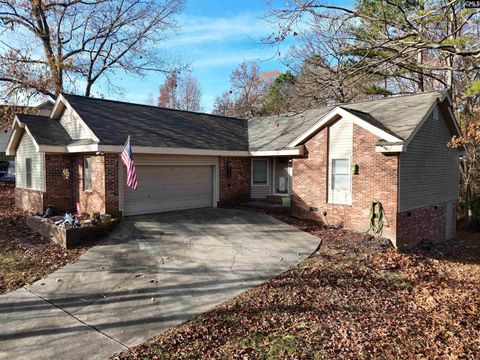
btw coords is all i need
(168, 188)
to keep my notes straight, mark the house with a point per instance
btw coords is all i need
(7, 112)
(333, 162)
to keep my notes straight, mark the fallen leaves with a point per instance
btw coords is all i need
(24, 255)
(355, 298)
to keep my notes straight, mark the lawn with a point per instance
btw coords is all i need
(24, 255)
(354, 298)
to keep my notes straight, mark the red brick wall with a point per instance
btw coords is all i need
(30, 201)
(377, 180)
(428, 223)
(235, 189)
(63, 193)
(104, 195)
(58, 192)
(94, 200)
(111, 183)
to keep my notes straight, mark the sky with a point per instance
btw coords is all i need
(214, 37)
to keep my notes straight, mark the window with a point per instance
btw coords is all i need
(87, 173)
(260, 172)
(341, 174)
(28, 173)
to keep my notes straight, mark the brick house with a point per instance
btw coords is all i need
(333, 162)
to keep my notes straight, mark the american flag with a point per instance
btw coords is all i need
(128, 161)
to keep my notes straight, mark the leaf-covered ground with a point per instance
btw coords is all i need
(355, 298)
(24, 255)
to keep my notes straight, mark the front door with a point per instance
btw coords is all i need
(281, 181)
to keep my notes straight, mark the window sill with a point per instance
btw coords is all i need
(339, 203)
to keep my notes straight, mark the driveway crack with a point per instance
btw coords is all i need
(76, 318)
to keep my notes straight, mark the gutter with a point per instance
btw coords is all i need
(296, 151)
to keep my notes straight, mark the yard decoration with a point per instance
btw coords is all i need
(66, 174)
(376, 217)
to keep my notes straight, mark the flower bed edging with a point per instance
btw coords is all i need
(69, 238)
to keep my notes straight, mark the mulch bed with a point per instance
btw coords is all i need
(355, 298)
(24, 256)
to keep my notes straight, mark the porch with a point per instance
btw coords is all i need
(271, 179)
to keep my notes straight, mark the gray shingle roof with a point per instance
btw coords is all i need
(396, 115)
(277, 131)
(45, 131)
(113, 121)
(400, 115)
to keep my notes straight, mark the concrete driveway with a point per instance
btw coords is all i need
(152, 273)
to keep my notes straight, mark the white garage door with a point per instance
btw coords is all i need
(168, 188)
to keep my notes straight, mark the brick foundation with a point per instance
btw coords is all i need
(376, 181)
(427, 223)
(236, 188)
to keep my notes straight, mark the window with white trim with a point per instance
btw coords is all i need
(341, 174)
(260, 172)
(28, 173)
(87, 173)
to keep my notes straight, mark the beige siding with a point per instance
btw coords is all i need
(4, 137)
(74, 126)
(260, 191)
(429, 171)
(26, 149)
(340, 147)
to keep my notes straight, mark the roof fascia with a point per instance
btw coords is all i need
(390, 148)
(298, 151)
(333, 115)
(16, 136)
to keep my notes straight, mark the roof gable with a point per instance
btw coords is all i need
(394, 120)
(159, 127)
(337, 113)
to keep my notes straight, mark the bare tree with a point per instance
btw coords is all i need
(247, 88)
(180, 91)
(168, 91)
(224, 104)
(49, 46)
(247, 92)
(189, 94)
(412, 46)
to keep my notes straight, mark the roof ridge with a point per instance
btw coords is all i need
(154, 106)
(389, 97)
(341, 105)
